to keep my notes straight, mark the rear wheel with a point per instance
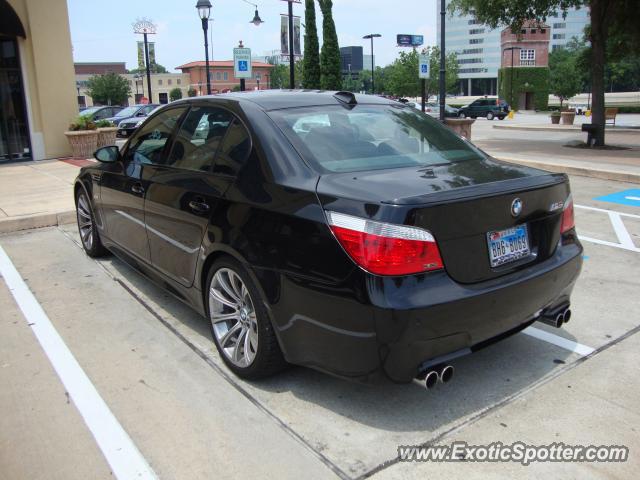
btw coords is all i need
(240, 325)
(490, 116)
(501, 117)
(89, 235)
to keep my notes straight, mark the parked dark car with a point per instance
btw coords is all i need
(131, 117)
(489, 107)
(347, 233)
(100, 113)
(433, 109)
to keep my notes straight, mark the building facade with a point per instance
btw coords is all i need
(37, 97)
(161, 85)
(478, 47)
(352, 59)
(222, 76)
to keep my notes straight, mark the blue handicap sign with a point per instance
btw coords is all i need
(424, 68)
(626, 197)
(243, 65)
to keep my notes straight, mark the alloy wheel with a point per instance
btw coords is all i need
(85, 222)
(233, 317)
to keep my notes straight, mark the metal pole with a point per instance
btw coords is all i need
(511, 94)
(442, 60)
(292, 60)
(146, 57)
(205, 27)
(373, 82)
(211, 45)
(424, 93)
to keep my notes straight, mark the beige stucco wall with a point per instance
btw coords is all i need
(47, 67)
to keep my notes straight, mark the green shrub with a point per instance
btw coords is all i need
(82, 122)
(104, 124)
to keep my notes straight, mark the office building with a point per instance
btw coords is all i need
(351, 59)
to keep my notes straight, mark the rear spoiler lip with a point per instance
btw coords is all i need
(491, 189)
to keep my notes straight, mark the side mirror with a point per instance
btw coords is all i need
(108, 154)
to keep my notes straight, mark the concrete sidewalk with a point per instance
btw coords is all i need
(36, 194)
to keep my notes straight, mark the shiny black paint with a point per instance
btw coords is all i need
(327, 312)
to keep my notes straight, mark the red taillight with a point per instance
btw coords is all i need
(568, 222)
(385, 248)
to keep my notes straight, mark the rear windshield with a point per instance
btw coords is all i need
(368, 137)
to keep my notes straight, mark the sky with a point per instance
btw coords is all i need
(102, 32)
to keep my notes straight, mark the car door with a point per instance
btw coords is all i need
(123, 184)
(185, 192)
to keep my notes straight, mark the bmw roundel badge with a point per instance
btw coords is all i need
(516, 207)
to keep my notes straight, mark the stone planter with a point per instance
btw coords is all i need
(568, 117)
(461, 126)
(83, 143)
(107, 136)
(555, 119)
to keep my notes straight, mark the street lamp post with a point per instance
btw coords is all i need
(146, 27)
(511, 75)
(442, 79)
(292, 58)
(204, 10)
(372, 36)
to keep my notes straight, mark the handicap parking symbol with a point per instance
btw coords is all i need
(626, 197)
(423, 68)
(243, 66)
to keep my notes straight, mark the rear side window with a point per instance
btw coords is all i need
(234, 150)
(199, 138)
(366, 137)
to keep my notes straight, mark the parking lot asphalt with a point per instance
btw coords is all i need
(153, 364)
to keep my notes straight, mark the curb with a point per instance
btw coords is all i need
(27, 222)
(580, 171)
(568, 128)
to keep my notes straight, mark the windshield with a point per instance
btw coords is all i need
(128, 112)
(90, 110)
(366, 137)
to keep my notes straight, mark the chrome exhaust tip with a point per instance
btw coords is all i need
(431, 379)
(445, 373)
(566, 315)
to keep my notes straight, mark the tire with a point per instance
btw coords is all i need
(89, 236)
(501, 117)
(462, 115)
(240, 325)
(490, 116)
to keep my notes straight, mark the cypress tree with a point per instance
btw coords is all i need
(330, 76)
(311, 62)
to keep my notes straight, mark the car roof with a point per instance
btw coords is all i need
(280, 99)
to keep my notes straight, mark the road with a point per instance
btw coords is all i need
(151, 362)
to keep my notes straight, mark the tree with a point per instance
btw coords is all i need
(153, 68)
(330, 74)
(311, 61)
(403, 79)
(175, 94)
(605, 15)
(280, 76)
(564, 83)
(108, 89)
(192, 92)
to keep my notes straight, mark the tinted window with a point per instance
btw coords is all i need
(370, 137)
(199, 137)
(234, 150)
(147, 144)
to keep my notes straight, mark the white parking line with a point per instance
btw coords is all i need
(558, 341)
(615, 218)
(123, 456)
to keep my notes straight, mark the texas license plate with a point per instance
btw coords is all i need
(508, 245)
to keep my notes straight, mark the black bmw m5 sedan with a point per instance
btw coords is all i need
(347, 233)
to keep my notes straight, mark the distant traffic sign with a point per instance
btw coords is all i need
(242, 62)
(423, 66)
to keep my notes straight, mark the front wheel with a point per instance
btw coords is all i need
(501, 117)
(490, 116)
(240, 324)
(87, 229)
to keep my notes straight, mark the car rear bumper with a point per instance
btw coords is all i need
(401, 323)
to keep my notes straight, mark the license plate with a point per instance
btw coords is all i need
(508, 245)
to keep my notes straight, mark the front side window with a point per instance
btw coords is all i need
(147, 144)
(368, 137)
(199, 138)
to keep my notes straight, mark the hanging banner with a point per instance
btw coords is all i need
(284, 36)
(152, 53)
(141, 55)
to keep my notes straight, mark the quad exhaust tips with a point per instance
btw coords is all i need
(556, 318)
(440, 373)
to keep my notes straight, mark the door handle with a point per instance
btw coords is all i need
(137, 188)
(198, 207)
